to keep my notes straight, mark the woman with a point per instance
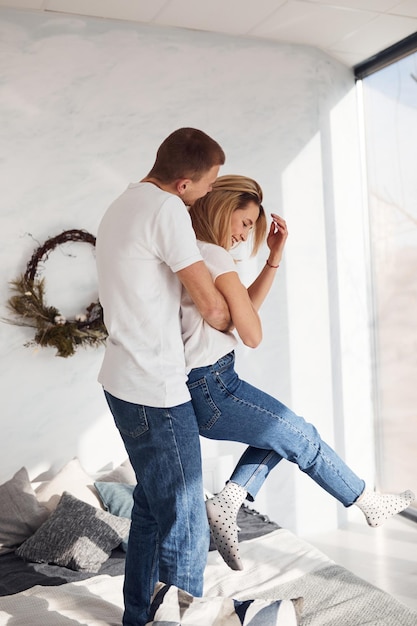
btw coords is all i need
(228, 408)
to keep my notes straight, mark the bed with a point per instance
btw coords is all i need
(59, 567)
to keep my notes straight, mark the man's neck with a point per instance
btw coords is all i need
(170, 188)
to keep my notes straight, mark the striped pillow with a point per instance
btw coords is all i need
(173, 607)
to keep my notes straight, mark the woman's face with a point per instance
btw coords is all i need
(242, 222)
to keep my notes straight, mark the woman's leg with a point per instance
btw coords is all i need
(253, 468)
(228, 408)
(248, 477)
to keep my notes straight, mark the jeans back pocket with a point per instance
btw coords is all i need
(130, 418)
(205, 408)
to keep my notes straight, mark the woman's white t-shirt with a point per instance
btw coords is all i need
(203, 344)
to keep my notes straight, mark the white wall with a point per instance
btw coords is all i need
(84, 105)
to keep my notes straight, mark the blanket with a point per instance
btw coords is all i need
(277, 566)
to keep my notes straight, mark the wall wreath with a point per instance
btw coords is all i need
(53, 329)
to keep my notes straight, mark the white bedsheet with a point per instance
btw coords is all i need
(96, 601)
(269, 561)
(276, 566)
(274, 559)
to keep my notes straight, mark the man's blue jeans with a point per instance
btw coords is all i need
(228, 408)
(169, 535)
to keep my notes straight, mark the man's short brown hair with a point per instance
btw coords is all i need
(186, 153)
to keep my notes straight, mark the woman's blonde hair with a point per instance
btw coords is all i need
(211, 215)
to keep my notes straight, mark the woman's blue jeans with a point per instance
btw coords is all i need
(169, 534)
(228, 408)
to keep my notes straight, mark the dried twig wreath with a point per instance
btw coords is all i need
(52, 328)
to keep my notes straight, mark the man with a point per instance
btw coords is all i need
(146, 250)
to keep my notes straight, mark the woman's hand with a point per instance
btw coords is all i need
(276, 239)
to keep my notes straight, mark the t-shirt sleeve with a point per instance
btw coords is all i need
(218, 260)
(175, 240)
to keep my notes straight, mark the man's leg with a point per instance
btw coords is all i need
(169, 535)
(141, 568)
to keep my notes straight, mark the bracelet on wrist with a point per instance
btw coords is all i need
(270, 265)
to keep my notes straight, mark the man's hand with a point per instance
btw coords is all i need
(212, 306)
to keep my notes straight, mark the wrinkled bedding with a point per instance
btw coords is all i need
(277, 565)
(17, 575)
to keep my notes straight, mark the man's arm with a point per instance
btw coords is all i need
(209, 301)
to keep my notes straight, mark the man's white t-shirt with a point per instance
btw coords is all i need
(203, 344)
(143, 239)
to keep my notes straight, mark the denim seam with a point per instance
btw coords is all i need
(259, 469)
(188, 572)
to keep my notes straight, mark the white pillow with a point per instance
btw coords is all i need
(73, 479)
(124, 473)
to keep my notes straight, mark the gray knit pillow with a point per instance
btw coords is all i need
(76, 535)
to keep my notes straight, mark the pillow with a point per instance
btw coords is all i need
(173, 606)
(72, 478)
(20, 512)
(124, 473)
(76, 535)
(117, 499)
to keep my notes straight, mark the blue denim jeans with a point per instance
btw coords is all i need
(230, 409)
(169, 534)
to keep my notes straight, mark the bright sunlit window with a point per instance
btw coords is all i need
(390, 130)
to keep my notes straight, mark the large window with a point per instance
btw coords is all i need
(390, 126)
